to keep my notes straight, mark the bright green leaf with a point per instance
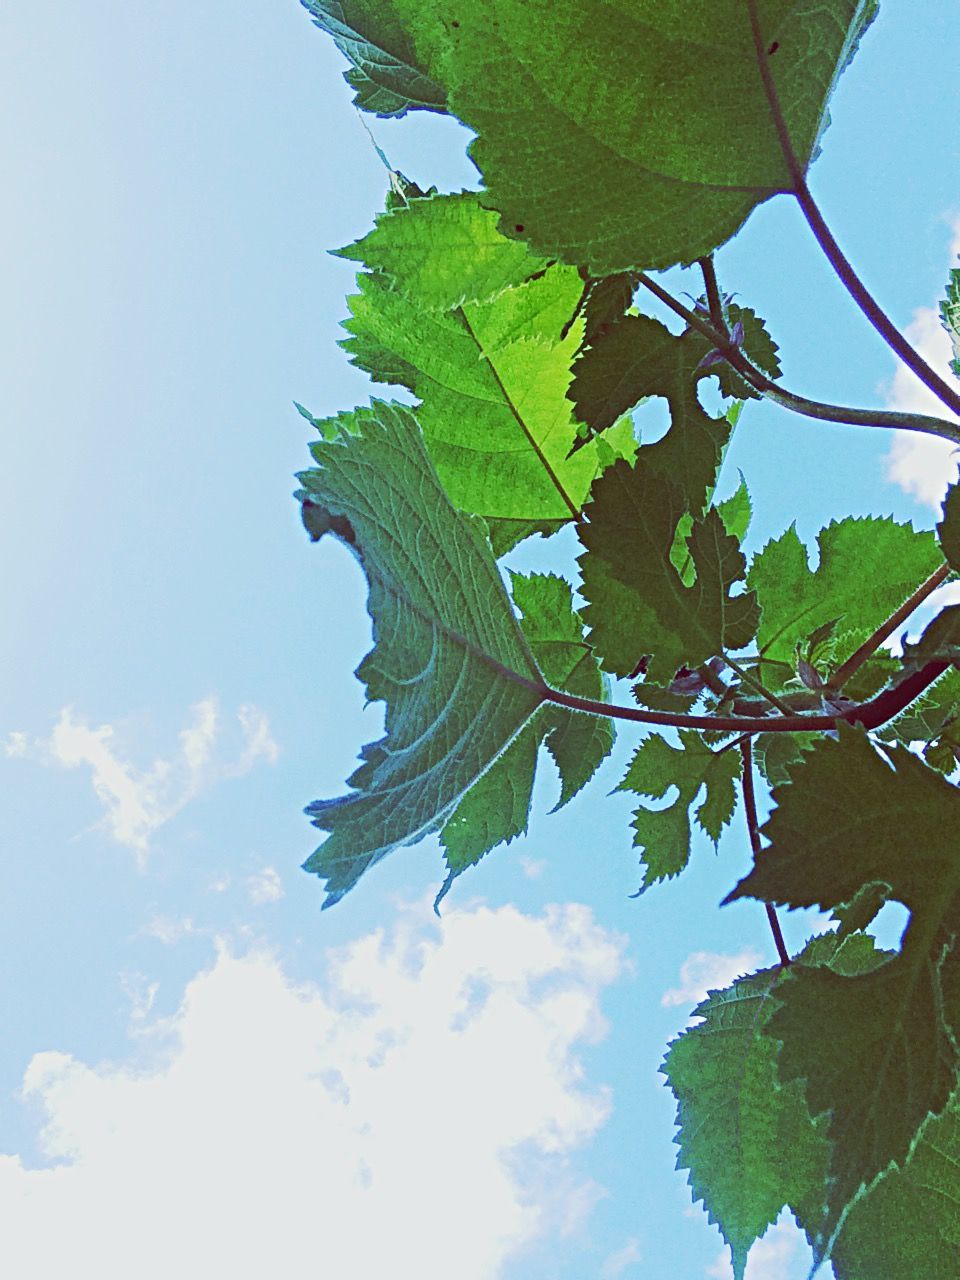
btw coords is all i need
(449, 658)
(443, 251)
(663, 835)
(891, 561)
(492, 379)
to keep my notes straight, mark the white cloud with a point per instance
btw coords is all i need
(139, 801)
(770, 1256)
(533, 868)
(265, 886)
(704, 971)
(923, 465)
(399, 1119)
(17, 745)
(617, 1263)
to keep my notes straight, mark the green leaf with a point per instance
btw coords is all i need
(736, 511)
(637, 602)
(444, 250)
(891, 561)
(759, 348)
(491, 376)
(663, 835)
(639, 357)
(616, 136)
(940, 640)
(497, 807)
(949, 526)
(774, 753)
(449, 659)
(507, 534)
(950, 318)
(578, 742)
(386, 74)
(748, 1141)
(908, 1225)
(874, 1051)
(926, 718)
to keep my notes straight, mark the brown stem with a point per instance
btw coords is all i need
(870, 715)
(753, 827)
(886, 629)
(824, 237)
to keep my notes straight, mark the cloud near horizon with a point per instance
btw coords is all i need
(415, 1113)
(140, 801)
(924, 465)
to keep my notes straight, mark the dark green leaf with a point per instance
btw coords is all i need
(949, 526)
(449, 658)
(759, 348)
(874, 1052)
(639, 357)
(386, 73)
(748, 1141)
(637, 601)
(614, 135)
(907, 1227)
(663, 835)
(940, 639)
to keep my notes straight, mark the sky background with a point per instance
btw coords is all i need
(200, 1074)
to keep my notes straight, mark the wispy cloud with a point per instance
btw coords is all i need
(265, 886)
(924, 465)
(704, 971)
(137, 802)
(621, 1261)
(345, 1130)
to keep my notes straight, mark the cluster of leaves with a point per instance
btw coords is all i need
(613, 139)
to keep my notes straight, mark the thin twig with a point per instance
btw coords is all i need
(753, 827)
(824, 237)
(886, 629)
(889, 419)
(757, 685)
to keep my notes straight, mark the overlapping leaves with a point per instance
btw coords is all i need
(748, 1139)
(614, 135)
(878, 1053)
(484, 335)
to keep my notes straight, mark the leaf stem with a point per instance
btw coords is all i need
(886, 629)
(757, 685)
(886, 418)
(753, 827)
(824, 237)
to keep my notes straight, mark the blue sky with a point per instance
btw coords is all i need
(200, 1072)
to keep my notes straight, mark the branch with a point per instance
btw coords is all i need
(886, 629)
(824, 237)
(870, 715)
(770, 390)
(753, 827)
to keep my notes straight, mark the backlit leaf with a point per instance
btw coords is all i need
(449, 659)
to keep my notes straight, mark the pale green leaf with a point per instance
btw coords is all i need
(449, 659)
(950, 317)
(386, 73)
